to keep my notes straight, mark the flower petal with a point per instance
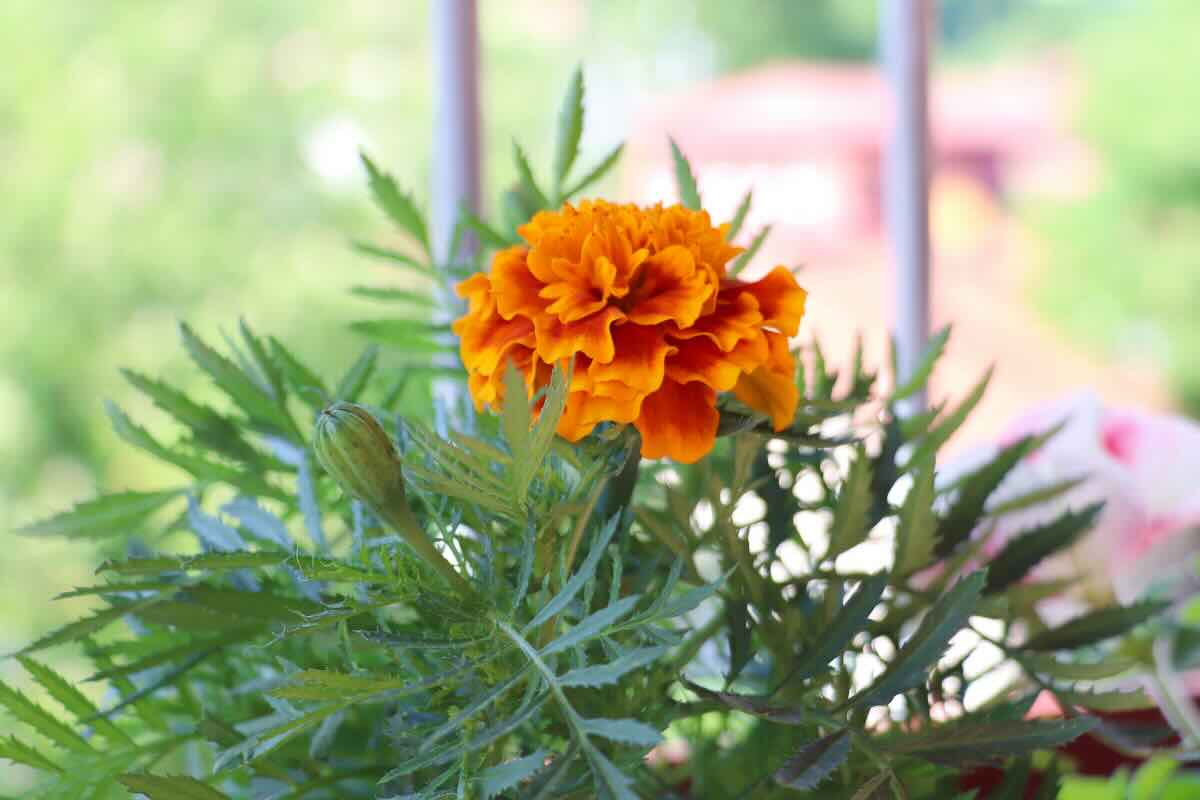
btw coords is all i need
(639, 360)
(772, 387)
(514, 286)
(780, 299)
(669, 287)
(702, 360)
(679, 421)
(735, 319)
(591, 336)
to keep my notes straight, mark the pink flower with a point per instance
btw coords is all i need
(1145, 467)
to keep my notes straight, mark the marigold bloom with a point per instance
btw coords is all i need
(640, 299)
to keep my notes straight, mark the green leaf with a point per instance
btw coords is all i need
(613, 671)
(319, 684)
(410, 336)
(489, 237)
(1049, 666)
(107, 515)
(915, 532)
(304, 382)
(754, 705)
(973, 741)
(967, 509)
(814, 761)
(529, 184)
(685, 179)
(593, 625)
(82, 628)
(743, 260)
(834, 638)
(689, 600)
(18, 752)
(924, 367)
(739, 217)
(1035, 496)
(72, 699)
(170, 787)
(949, 423)
(1025, 551)
(1095, 626)
(502, 777)
(598, 172)
(208, 562)
(351, 385)
(387, 254)
(948, 615)
(851, 513)
(390, 294)
(629, 731)
(575, 583)
(1152, 779)
(259, 406)
(206, 425)
(570, 129)
(398, 205)
(265, 364)
(1107, 701)
(42, 721)
(868, 790)
(617, 784)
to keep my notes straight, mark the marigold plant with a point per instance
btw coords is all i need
(642, 301)
(745, 584)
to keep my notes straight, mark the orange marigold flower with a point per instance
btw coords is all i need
(639, 298)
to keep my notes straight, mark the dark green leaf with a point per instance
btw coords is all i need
(949, 423)
(851, 512)
(909, 668)
(1025, 551)
(410, 336)
(502, 777)
(489, 237)
(813, 762)
(587, 570)
(209, 562)
(42, 721)
(685, 179)
(1095, 626)
(735, 224)
(398, 205)
(170, 787)
(973, 741)
(259, 406)
(351, 385)
(918, 523)
(18, 752)
(613, 671)
(1052, 667)
(304, 382)
(629, 731)
(1107, 701)
(967, 509)
(598, 172)
(529, 184)
(924, 367)
(207, 426)
(743, 260)
(71, 698)
(834, 638)
(107, 515)
(756, 706)
(570, 129)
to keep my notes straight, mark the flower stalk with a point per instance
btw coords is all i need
(355, 449)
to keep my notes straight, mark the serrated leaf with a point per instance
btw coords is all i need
(613, 671)
(25, 710)
(207, 426)
(570, 129)
(391, 294)
(593, 625)
(612, 780)
(575, 583)
(689, 600)
(259, 406)
(685, 179)
(851, 619)
(939, 434)
(868, 791)
(744, 259)
(175, 655)
(813, 762)
(70, 698)
(739, 216)
(529, 184)
(411, 336)
(851, 512)
(500, 778)
(18, 752)
(170, 787)
(489, 237)
(1095, 626)
(756, 706)
(304, 382)
(1107, 701)
(266, 365)
(947, 616)
(629, 731)
(398, 205)
(212, 532)
(1049, 666)
(965, 512)
(102, 516)
(1027, 550)
(210, 562)
(1035, 496)
(924, 367)
(918, 524)
(82, 628)
(351, 385)
(598, 172)
(973, 741)
(319, 684)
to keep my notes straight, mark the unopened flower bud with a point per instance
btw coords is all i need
(355, 449)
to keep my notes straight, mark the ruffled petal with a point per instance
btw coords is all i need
(640, 354)
(592, 336)
(735, 319)
(679, 421)
(702, 360)
(515, 288)
(780, 299)
(483, 342)
(669, 287)
(772, 387)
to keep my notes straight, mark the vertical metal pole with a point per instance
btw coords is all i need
(904, 45)
(454, 29)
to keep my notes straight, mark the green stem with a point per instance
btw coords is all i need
(618, 492)
(399, 516)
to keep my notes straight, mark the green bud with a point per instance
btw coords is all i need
(355, 449)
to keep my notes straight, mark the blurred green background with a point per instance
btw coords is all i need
(195, 160)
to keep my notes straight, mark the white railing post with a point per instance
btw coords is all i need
(454, 29)
(904, 47)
